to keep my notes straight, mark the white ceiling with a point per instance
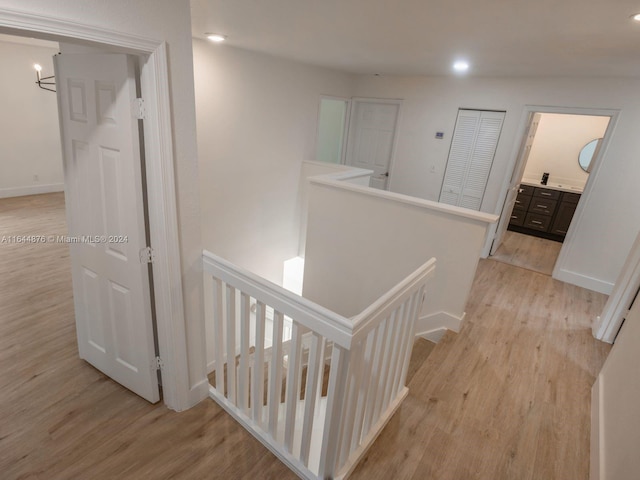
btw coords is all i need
(423, 37)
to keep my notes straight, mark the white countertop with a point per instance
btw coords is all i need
(552, 186)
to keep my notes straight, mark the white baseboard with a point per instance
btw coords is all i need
(433, 335)
(31, 190)
(584, 281)
(433, 326)
(198, 392)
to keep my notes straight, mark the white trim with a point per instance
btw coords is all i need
(167, 272)
(329, 181)
(345, 131)
(31, 190)
(597, 433)
(584, 281)
(606, 326)
(430, 326)
(433, 336)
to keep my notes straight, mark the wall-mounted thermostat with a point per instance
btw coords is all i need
(439, 135)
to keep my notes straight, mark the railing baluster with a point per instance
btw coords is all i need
(333, 416)
(365, 391)
(243, 376)
(321, 367)
(257, 392)
(293, 387)
(314, 370)
(231, 343)
(275, 375)
(412, 323)
(382, 374)
(218, 329)
(374, 389)
(355, 377)
(393, 359)
(404, 344)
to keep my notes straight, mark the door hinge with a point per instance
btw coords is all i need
(147, 255)
(158, 364)
(139, 109)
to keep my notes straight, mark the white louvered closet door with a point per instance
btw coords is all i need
(473, 147)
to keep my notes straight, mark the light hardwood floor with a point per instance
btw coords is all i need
(506, 398)
(527, 251)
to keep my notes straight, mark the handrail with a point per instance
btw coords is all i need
(368, 358)
(313, 316)
(335, 180)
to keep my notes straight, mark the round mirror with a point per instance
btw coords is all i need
(586, 154)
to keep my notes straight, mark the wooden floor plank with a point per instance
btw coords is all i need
(526, 251)
(506, 398)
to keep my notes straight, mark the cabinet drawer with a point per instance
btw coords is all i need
(525, 190)
(517, 218)
(546, 193)
(543, 206)
(522, 202)
(571, 197)
(537, 222)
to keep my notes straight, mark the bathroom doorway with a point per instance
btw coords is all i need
(558, 153)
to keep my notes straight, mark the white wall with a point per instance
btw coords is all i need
(29, 132)
(308, 170)
(557, 144)
(608, 227)
(167, 20)
(615, 398)
(257, 122)
(362, 241)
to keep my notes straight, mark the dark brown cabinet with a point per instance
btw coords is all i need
(543, 212)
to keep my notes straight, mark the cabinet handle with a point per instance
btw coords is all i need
(520, 190)
(545, 194)
(536, 222)
(541, 206)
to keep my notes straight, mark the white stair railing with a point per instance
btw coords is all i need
(276, 385)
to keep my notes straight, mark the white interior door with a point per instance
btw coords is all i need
(372, 133)
(516, 176)
(473, 147)
(105, 212)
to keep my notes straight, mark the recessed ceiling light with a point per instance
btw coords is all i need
(461, 66)
(636, 17)
(216, 37)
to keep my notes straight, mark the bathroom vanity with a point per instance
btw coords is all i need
(544, 210)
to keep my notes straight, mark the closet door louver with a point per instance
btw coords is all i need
(473, 147)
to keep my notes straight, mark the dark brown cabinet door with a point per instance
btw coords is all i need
(563, 218)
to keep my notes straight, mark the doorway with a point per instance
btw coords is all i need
(372, 138)
(558, 153)
(167, 276)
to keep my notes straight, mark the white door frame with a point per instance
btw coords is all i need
(527, 111)
(163, 224)
(392, 101)
(345, 131)
(606, 325)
